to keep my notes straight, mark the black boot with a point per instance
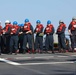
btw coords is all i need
(10, 53)
(0, 51)
(46, 51)
(30, 51)
(16, 52)
(41, 51)
(60, 50)
(24, 51)
(64, 51)
(73, 50)
(34, 52)
(53, 51)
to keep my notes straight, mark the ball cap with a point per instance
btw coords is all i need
(60, 21)
(7, 21)
(74, 18)
(0, 21)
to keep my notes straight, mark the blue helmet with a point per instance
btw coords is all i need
(22, 24)
(19, 24)
(38, 21)
(15, 23)
(26, 20)
(48, 22)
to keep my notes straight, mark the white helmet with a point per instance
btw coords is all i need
(74, 18)
(61, 21)
(7, 21)
(0, 21)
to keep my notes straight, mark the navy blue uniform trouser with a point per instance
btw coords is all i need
(61, 41)
(38, 42)
(6, 42)
(49, 42)
(73, 41)
(20, 42)
(27, 39)
(0, 44)
(13, 42)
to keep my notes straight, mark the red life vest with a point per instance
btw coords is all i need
(48, 29)
(6, 28)
(14, 29)
(39, 27)
(61, 27)
(73, 25)
(27, 27)
(0, 29)
(10, 25)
